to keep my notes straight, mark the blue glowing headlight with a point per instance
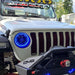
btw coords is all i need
(22, 40)
(71, 71)
(47, 74)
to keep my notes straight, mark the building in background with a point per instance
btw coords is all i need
(74, 6)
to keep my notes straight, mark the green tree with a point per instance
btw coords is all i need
(68, 6)
(59, 9)
(63, 7)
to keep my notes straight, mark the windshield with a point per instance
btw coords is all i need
(16, 8)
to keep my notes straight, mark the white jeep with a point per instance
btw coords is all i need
(30, 29)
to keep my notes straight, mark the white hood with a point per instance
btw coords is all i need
(25, 24)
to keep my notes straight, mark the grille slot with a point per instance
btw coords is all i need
(61, 39)
(34, 43)
(72, 38)
(67, 38)
(55, 39)
(43, 41)
(48, 41)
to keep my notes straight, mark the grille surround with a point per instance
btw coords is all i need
(24, 53)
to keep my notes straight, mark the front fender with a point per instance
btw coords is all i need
(4, 44)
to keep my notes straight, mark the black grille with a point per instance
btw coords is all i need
(45, 40)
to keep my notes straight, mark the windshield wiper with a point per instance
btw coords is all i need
(43, 16)
(35, 15)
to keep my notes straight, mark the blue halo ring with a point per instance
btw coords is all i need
(22, 40)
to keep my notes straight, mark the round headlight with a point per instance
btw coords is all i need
(22, 40)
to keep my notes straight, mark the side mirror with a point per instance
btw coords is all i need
(60, 19)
